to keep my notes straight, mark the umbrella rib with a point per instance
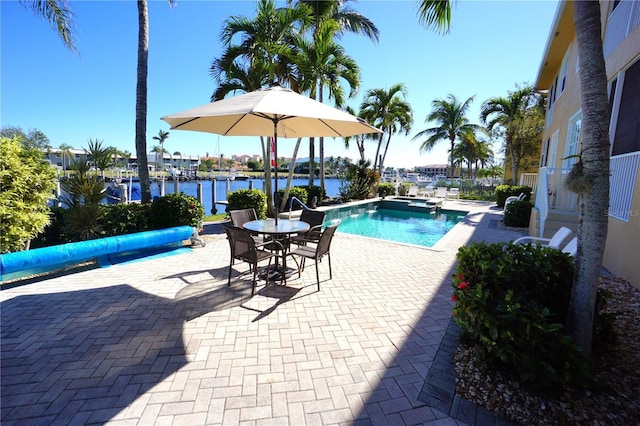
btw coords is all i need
(329, 126)
(186, 122)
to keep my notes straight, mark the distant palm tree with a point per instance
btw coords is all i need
(161, 137)
(65, 151)
(451, 123)
(507, 112)
(389, 111)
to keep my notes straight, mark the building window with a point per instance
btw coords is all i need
(627, 130)
(573, 141)
(545, 153)
(563, 72)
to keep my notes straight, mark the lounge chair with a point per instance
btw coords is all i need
(413, 191)
(427, 191)
(554, 241)
(513, 198)
(441, 192)
(453, 193)
(572, 247)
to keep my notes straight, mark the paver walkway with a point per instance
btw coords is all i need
(165, 341)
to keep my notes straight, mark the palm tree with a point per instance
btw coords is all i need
(141, 99)
(592, 232)
(360, 139)
(594, 159)
(324, 64)
(387, 110)
(450, 116)
(265, 55)
(506, 113)
(334, 14)
(59, 16)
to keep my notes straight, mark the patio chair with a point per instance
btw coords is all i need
(554, 241)
(453, 193)
(413, 191)
(244, 248)
(317, 252)
(242, 216)
(315, 219)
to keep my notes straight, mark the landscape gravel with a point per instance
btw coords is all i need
(615, 401)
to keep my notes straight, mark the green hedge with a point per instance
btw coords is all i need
(502, 192)
(518, 213)
(385, 189)
(248, 199)
(511, 303)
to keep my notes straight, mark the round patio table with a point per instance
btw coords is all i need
(281, 232)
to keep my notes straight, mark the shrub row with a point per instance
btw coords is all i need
(106, 220)
(511, 304)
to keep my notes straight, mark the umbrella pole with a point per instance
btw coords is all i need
(275, 161)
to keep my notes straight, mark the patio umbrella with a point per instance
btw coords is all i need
(274, 112)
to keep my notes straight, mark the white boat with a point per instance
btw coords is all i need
(418, 179)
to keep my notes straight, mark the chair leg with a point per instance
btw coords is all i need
(329, 259)
(317, 274)
(229, 281)
(255, 276)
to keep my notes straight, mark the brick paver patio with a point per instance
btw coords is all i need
(165, 341)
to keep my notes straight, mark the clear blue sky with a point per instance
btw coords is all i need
(492, 46)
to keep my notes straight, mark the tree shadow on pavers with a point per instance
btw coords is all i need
(84, 356)
(418, 386)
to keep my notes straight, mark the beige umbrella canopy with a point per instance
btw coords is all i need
(275, 112)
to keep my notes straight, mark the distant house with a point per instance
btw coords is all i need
(433, 170)
(558, 75)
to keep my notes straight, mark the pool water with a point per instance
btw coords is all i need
(410, 227)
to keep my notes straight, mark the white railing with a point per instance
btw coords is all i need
(620, 23)
(624, 171)
(530, 180)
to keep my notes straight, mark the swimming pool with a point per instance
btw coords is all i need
(399, 222)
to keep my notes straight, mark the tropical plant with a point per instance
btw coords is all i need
(451, 123)
(100, 155)
(27, 183)
(509, 114)
(389, 111)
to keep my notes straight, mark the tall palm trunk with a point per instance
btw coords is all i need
(375, 160)
(453, 141)
(592, 232)
(266, 154)
(141, 101)
(312, 162)
(514, 166)
(321, 147)
(287, 189)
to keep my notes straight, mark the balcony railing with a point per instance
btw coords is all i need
(623, 171)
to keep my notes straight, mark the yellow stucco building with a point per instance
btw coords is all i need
(558, 75)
